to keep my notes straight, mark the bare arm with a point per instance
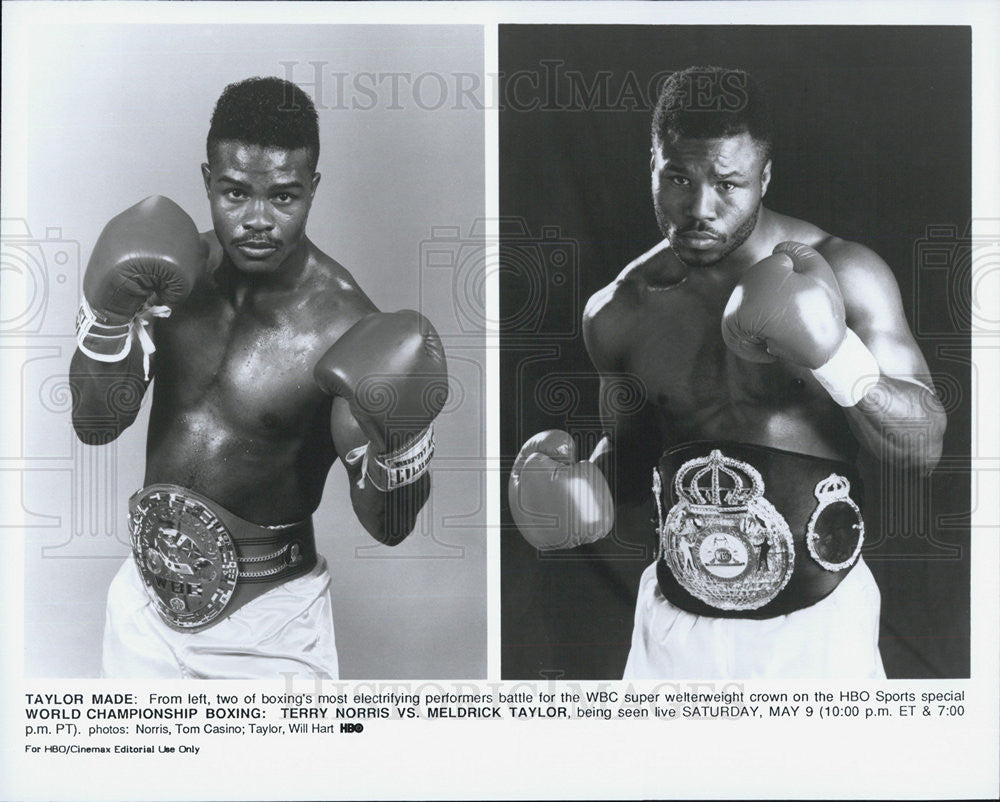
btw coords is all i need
(899, 420)
(634, 441)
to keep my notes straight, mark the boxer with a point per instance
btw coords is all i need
(270, 364)
(769, 352)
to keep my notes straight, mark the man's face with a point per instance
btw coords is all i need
(707, 194)
(260, 199)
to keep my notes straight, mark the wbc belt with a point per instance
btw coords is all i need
(751, 531)
(200, 562)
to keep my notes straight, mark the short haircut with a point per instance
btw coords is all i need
(709, 103)
(269, 112)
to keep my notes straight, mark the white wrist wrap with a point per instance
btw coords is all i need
(101, 341)
(850, 373)
(113, 342)
(397, 468)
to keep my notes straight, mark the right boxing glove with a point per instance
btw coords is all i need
(556, 501)
(150, 249)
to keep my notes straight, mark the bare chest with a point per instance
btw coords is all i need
(249, 371)
(704, 390)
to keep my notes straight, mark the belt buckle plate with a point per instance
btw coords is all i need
(186, 557)
(723, 541)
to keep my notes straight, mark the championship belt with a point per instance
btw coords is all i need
(752, 531)
(200, 562)
(723, 541)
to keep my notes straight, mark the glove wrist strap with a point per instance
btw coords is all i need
(398, 468)
(112, 342)
(105, 342)
(850, 373)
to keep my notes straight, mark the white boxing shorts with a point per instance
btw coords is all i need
(835, 638)
(287, 632)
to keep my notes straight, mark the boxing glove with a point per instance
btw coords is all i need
(391, 369)
(788, 306)
(151, 251)
(557, 501)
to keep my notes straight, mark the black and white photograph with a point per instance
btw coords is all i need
(529, 399)
(738, 438)
(253, 451)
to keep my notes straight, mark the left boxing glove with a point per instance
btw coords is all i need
(151, 251)
(391, 369)
(788, 307)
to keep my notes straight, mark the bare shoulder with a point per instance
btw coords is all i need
(850, 259)
(602, 318)
(610, 311)
(793, 229)
(334, 294)
(866, 281)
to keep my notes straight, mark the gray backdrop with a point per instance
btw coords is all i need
(118, 113)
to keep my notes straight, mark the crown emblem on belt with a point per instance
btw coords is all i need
(832, 488)
(719, 482)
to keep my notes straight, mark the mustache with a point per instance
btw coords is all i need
(700, 228)
(257, 240)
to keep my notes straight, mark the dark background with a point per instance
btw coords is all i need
(874, 145)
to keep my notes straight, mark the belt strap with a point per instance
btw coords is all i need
(795, 596)
(200, 562)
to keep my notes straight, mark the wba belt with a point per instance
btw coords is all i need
(200, 562)
(751, 531)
